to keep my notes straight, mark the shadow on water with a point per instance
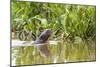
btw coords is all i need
(62, 52)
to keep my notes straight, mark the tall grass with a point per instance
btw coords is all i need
(29, 18)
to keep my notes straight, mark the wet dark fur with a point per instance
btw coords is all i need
(43, 37)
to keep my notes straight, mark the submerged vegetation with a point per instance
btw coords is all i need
(73, 25)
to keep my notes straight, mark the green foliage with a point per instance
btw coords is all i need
(76, 20)
(73, 25)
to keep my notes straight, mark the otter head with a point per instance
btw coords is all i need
(43, 36)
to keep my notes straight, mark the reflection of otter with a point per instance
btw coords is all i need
(42, 39)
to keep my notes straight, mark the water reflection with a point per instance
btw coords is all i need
(62, 52)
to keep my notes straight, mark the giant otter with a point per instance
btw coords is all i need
(43, 37)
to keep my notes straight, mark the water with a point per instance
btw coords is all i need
(63, 52)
